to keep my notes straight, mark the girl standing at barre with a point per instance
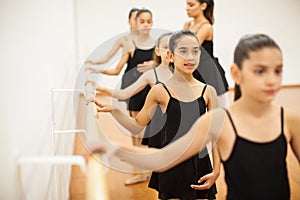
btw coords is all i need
(183, 99)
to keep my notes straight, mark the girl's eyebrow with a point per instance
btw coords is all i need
(183, 47)
(265, 66)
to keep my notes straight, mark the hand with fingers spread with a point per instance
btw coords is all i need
(206, 181)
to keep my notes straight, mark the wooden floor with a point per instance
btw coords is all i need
(114, 179)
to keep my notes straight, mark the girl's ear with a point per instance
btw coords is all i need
(235, 73)
(203, 6)
(170, 56)
(156, 50)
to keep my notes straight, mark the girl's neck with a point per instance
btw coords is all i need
(199, 19)
(183, 77)
(253, 107)
(143, 37)
(133, 32)
(162, 67)
(165, 63)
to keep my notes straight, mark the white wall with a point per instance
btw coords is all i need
(37, 54)
(99, 21)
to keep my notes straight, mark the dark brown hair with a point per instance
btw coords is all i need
(156, 58)
(209, 11)
(247, 44)
(132, 11)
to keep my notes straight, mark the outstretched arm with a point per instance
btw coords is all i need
(134, 125)
(114, 71)
(206, 128)
(117, 45)
(133, 89)
(145, 66)
(123, 118)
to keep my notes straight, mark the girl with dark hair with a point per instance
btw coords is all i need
(139, 58)
(161, 73)
(209, 68)
(182, 99)
(251, 135)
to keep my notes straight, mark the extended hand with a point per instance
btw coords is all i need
(101, 107)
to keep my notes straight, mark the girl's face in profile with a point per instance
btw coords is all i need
(261, 74)
(186, 54)
(193, 8)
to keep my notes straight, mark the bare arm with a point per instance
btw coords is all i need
(212, 98)
(213, 104)
(119, 67)
(125, 120)
(134, 125)
(207, 128)
(117, 45)
(145, 66)
(294, 127)
(133, 89)
(114, 71)
(210, 178)
(205, 33)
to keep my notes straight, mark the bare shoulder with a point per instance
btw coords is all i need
(126, 43)
(206, 26)
(159, 95)
(211, 90)
(206, 29)
(158, 88)
(292, 116)
(122, 40)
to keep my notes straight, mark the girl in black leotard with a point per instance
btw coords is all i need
(138, 59)
(209, 68)
(182, 99)
(159, 74)
(162, 72)
(251, 135)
